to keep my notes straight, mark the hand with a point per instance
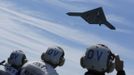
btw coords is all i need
(118, 63)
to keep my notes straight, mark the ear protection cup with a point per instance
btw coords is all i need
(111, 67)
(44, 57)
(111, 64)
(61, 62)
(24, 60)
(8, 60)
(82, 61)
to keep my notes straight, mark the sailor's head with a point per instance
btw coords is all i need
(54, 56)
(98, 58)
(17, 59)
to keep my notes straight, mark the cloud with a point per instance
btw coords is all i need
(119, 19)
(123, 25)
(32, 41)
(90, 2)
(60, 30)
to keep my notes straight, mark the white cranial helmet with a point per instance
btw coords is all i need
(54, 56)
(98, 58)
(17, 58)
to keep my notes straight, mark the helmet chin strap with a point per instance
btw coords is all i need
(111, 64)
(54, 66)
(111, 68)
(95, 72)
(62, 61)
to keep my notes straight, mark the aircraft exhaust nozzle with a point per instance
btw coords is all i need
(74, 14)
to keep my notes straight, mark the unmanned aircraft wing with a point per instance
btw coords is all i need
(74, 14)
(110, 25)
(95, 16)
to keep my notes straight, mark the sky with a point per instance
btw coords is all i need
(34, 25)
